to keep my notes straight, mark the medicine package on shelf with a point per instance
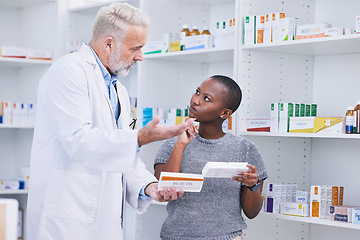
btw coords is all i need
(223, 169)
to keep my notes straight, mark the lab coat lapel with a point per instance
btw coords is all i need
(89, 56)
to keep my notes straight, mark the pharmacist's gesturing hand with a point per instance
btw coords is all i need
(154, 132)
(248, 178)
(162, 196)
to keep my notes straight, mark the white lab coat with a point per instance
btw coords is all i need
(78, 156)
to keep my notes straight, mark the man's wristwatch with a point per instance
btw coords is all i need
(255, 187)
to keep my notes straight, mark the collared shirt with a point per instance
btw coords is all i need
(109, 78)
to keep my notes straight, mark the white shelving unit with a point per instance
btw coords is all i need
(312, 220)
(30, 24)
(309, 71)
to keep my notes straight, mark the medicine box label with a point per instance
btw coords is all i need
(181, 181)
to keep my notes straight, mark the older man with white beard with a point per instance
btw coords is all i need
(84, 159)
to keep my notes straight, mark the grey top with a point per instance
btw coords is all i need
(215, 212)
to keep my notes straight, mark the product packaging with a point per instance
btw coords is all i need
(223, 169)
(249, 30)
(316, 124)
(311, 30)
(285, 113)
(260, 20)
(181, 181)
(294, 209)
(274, 117)
(198, 42)
(287, 29)
(258, 124)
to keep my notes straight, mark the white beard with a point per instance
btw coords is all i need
(117, 65)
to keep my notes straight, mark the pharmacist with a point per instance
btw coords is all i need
(84, 158)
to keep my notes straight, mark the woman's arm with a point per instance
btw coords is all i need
(174, 162)
(251, 202)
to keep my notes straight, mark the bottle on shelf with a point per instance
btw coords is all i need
(205, 31)
(194, 31)
(357, 118)
(185, 32)
(349, 120)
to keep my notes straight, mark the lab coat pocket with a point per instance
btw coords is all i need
(72, 195)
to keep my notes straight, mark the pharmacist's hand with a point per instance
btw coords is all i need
(162, 196)
(186, 137)
(153, 132)
(248, 178)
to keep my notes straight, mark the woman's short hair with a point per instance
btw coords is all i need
(234, 92)
(114, 20)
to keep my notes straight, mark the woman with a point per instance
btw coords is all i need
(215, 212)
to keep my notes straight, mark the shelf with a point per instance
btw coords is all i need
(17, 126)
(21, 62)
(22, 3)
(198, 55)
(314, 47)
(5, 192)
(91, 7)
(313, 220)
(303, 135)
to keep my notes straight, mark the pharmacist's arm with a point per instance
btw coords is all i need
(251, 202)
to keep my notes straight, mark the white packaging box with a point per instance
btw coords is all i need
(286, 111)
(37, 53)
(302, 197)
(275, 24)
(24, 119)
(154, 47)
(287, 29)
(9, 218)
(357, 24)
(10, 51)
(260, 20)
(288, 192)
(249, 30)
(356, 215)
(31, 114)
(198, 42)
(16, 113)
(273, 198)
(282, 192)
(223, 169)
(258, 124)
(334, 32)
(274, 117)
(293, 192)
(267, 29)
(311, 30)
(294, 209)
(7, 113)
(318, 204)
(181, 181)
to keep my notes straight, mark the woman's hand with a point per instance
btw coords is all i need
(186, 137)
(248, 178)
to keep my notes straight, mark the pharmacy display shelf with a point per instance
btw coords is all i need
(313, 220)
(7, 192)
(17, 126)
(21, 62)
(312, 47)
(199, 55)
(22, 3)
(302, 135)
(91, 7)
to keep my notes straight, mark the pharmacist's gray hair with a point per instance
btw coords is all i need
(114, 20)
